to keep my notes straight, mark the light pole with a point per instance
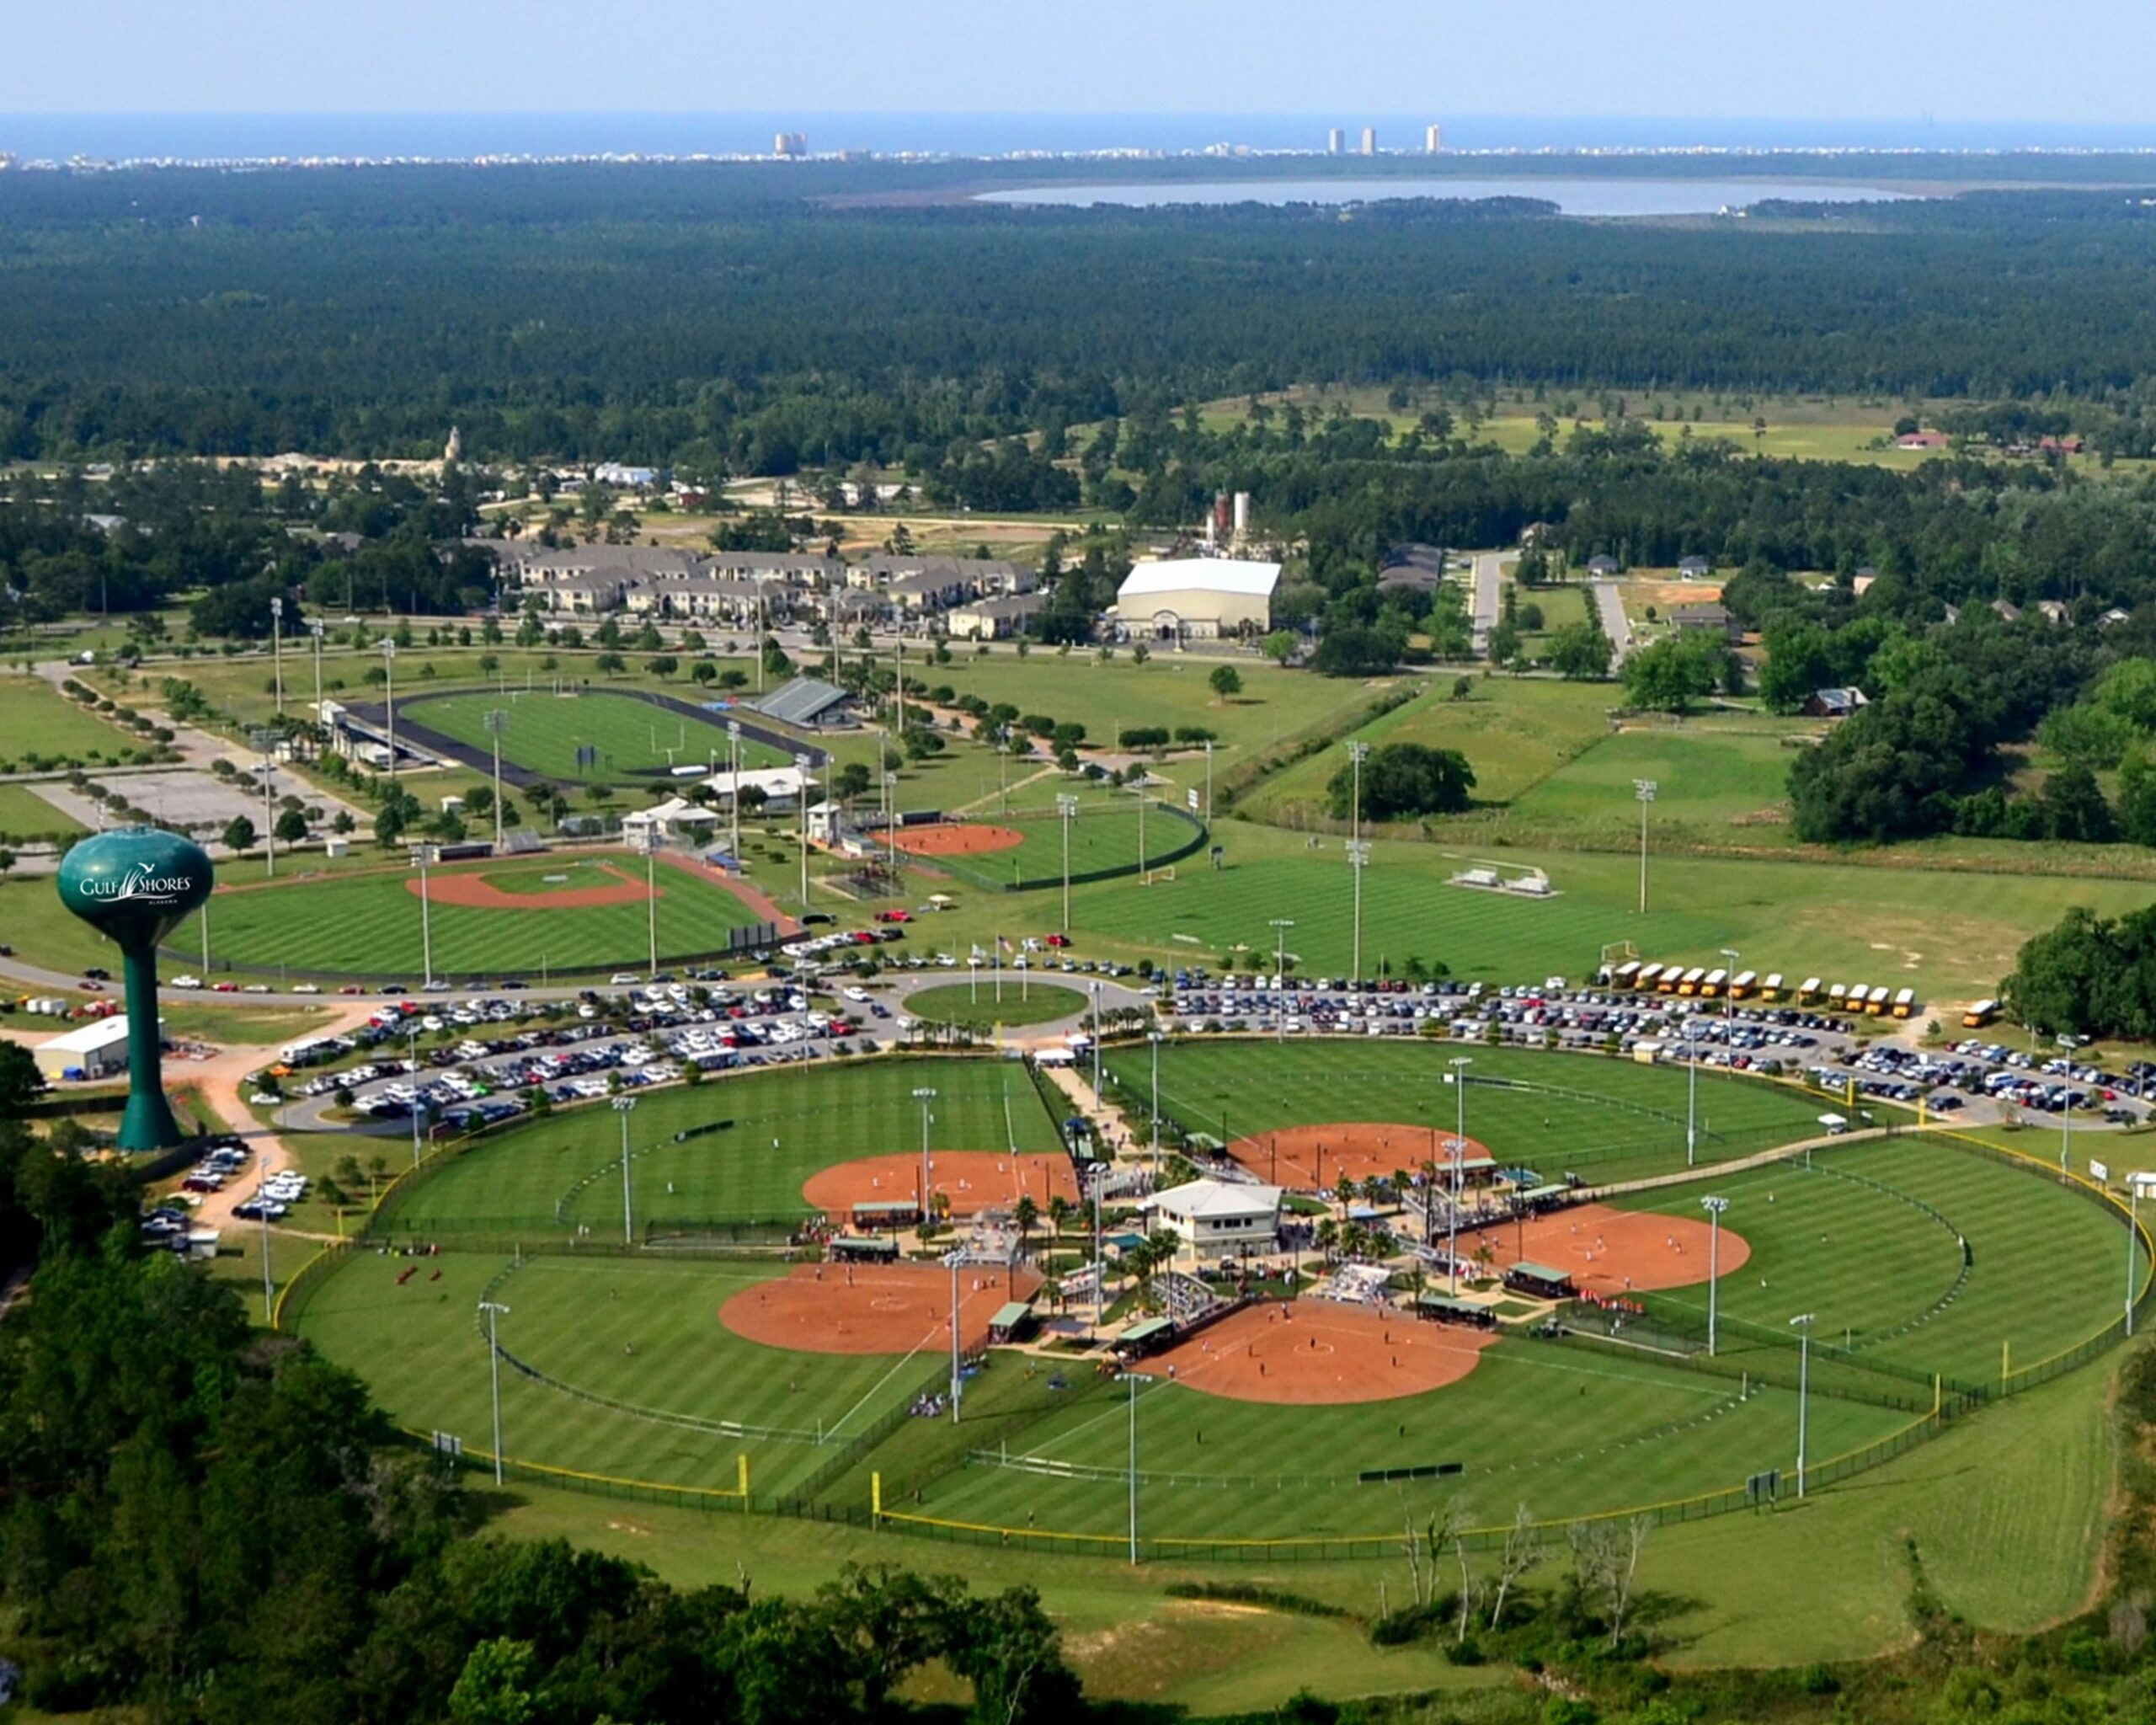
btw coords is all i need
(495, 1310)
(1729, 1011)
(1280, 925)
(1358, 859)
(1066, 808)
(1714, 1207)
(1802, 1325)
(262, 1211)
(957, 1375)
(1136, 1378)
(1460, 1063)
(265, 744)
(423, 855)
(1097, 1043)
(418, 1098)
(1209, 781)
(1138, 791)
(1691, 1086)
(891, 825)
(734, 777)
(277, 648)
(1156, 1039)
(496, 719)
(316, 627)
(2132, 1235)
(923, 1096)
(801, 764)
(1644, 789)
(389, 699)
(649, 844)
(625, 1106)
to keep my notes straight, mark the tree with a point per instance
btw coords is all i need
(1674, 672)
(852, 780)
(662, 665)
(1007, 1648)
(21, 1082)
(1401, 779)
(1580, 653)
(6, 860)
(703, 672)
(291, 826)
(2074, 808)
(494, 1687)
(1280, 646)
(239, 834)
(389, 824)
(1225, 682)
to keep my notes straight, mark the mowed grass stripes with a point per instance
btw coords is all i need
(368, 925)
(781, 1126)
(543, 730)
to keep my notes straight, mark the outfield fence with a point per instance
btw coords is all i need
(1190, 837)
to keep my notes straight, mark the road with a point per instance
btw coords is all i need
(1489, 583)
(1610, 607)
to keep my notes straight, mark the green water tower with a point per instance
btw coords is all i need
(136, 885)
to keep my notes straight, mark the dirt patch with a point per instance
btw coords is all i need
(1310, 1352)
(1313, 1158)
(883, 1309)
(1608, 1250)
(475, 892)
(973, 1180)
(957, 839)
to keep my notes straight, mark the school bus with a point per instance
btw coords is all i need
(1771, 990)
(1807, 991)
(1690, 982)
(1875, 1002)
(1712, 987)
(1837, 996)
(1742, 985)
(1982, 1012)
(1667, 982)
(1905, 1002)
(1644, 978)
(1626, 975)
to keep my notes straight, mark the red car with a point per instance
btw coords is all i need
(894, 916)
(1059, 940)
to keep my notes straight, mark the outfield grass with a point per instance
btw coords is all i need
(37, 720)
(1104, 835)
(1714, 783)
(369, 924)
(544, 730)
(24, 814)
(976, 1005)
(1605, 1118)
(549, 1176)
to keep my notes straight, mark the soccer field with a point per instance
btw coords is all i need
(759, 1136)
(368, 925)
(544, 731)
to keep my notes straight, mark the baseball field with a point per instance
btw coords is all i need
(543, 730)
(1933, 1274)
(559, 915)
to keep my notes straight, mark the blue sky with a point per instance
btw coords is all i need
(1971, 59)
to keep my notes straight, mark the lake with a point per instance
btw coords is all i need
(1598, 196)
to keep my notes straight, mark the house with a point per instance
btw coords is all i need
(1922, 440)
(712, 598)
(1215, 1220)
(2007, 610)
(1602, 568)
(994, 619)
(1834, 703)
(623, 479)
(926, 591)
(1694, 569)
(780, 787)
(2112, 618)
(806, 703)
(2060, 446)
(2054, 612)
(1708, 619)
(1195, 598)
(675, 818)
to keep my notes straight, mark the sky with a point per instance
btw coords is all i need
(1952, 60)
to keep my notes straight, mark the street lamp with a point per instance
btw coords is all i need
(389, 699)
(423, 855)
(1802, 1325)
(496, 720)
(1066, 808)
(800, 764)
(1156, 1039)
(1460, 1063)
(1280, 925)
(625, 1106)
(923, 1096)
(1714, 1207)
(1644, 789)
(495, 1310)
(277, 648)
(1136, 1378)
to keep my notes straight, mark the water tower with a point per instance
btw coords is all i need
(136, 885)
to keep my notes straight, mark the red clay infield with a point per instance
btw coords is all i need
(1315, 1351)
(957, 839)
(1313, 1158)
(974, 1179)
(883, 1309)
(1616, 1251)
(475, 892)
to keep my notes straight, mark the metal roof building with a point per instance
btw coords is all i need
(1196, 598)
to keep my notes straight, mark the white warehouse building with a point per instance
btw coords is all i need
(1195, 598)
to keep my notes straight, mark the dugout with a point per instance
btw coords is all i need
(1538, 1281)
(864, 1248)
(1011, 1323)
(1433, 1308)
(886, 1212)
(1146, 1335)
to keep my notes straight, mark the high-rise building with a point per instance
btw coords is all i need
(790, 143)
(1433, 138)
(1336, 141)
(1369, 140)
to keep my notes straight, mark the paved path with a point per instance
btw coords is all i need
(1489, 580)
(1610, 607)
(1707, 1171)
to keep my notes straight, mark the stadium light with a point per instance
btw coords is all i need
(1156, 1039)
(1280, 925)
(494, 1309)
(734, 777)
(1729, 1010)
(1066, 808)
(316, 627)
(923, 1096)
(1460, 1063)
(1358, 859)
(389, 699)
(1135, 1378)
(277, 648)
(1644, 789)
(2133, 1240)
(956, 1368)
(625, 1106)
(423, 855)
(496, 720)
(1802, 1323)
(1714, 1207)
(801, 764)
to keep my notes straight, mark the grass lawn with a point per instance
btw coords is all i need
(1714, 783)
(24, 814)
(548, 1175)
(39, 724)
(364, 924)
(1105, 834)
(976, 1005)
(544, 730)
(1603, 1118)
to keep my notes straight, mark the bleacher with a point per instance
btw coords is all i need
(1185, 1299)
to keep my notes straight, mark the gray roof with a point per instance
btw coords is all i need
(803, 701)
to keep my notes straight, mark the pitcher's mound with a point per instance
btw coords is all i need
(835, 1308)
(1313, 1351)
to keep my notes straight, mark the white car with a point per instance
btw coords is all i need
(306, 988)
(859, 996)
(187, 982)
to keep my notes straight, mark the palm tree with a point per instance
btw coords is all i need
(1026, 1212)
(1328, 1237)
(1059, 1214)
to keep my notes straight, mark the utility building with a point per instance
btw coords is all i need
(1196, 598)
